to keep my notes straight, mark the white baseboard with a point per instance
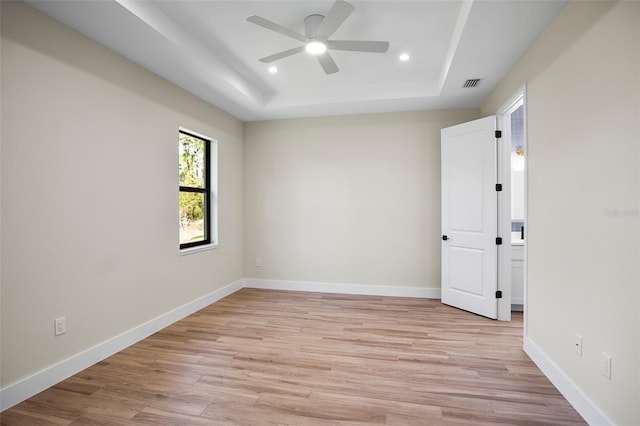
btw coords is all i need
(29, 386)
(362, 289)
(37, 382)
(581, 402)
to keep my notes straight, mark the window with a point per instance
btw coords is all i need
(197, 196)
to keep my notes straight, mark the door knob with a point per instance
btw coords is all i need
(445, 238)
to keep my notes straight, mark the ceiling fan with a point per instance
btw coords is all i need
(318, 29)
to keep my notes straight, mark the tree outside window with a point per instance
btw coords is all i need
(195, 190)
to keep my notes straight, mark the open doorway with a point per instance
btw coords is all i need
(512, 122)
(483, 245)
(517, 207)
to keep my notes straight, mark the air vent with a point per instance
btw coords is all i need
(472, 82)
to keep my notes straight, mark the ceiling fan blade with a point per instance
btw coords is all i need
(339, 12)
(359, 45)
(270, 25)
(283, 54)
(328, 64)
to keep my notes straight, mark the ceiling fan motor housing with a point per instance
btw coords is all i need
(311, 24)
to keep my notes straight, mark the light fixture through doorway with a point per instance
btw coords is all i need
(517, 159)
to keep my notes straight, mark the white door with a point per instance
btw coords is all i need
(470, 217)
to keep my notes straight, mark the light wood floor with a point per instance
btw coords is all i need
(261, 357)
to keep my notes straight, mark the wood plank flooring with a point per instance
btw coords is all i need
(263, 357)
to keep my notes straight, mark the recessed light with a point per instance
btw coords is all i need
(316, 48)
(404, 57)
(273, 70)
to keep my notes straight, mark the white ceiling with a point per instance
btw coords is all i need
(209, 49)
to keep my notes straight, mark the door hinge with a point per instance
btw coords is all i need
(498, 134)
(498, 241)
(498, 294)
(498, 187)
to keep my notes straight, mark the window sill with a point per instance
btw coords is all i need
(197, 249)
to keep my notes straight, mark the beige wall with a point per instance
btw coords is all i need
(89, 194)
(582, 80)
(346, 199)
(89, 227)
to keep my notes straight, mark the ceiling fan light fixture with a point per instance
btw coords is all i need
(273, 69)
(404, 57)
(316, 47)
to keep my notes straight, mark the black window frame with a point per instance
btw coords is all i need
(206, 190)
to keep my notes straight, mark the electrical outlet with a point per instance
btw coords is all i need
(258, 262)
(605, 365)
(60, 325)
(578, 344)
